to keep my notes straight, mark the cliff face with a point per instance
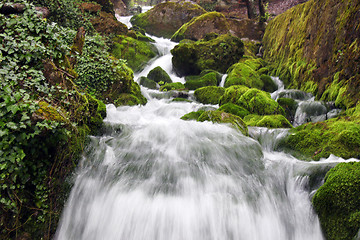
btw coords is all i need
(315, 46)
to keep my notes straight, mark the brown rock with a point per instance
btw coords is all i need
(106, 23)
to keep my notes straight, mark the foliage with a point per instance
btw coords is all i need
(66, 13)
(43, 122)
(97, 70)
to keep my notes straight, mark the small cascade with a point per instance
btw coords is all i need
(222, 82)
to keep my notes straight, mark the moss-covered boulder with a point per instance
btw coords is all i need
(234, 109)
(198, 27)
(252, 99)
(193, 115)
(245, 73)
(269, 84)
(159, 75)
(136, 52)
(190, 58)
(144, 81)
(209, 95)
(165, 19)
(337, 202)
(269, 121)
(223, 117)
(315, 47)
(172, 86)
(206, 78)
(121, 88)
(106, 23)
(290, 106)
(340, 137)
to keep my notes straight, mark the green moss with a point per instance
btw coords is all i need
(209, 95)
(198, 27)
(232, 94)
(223, 117)
(234, 109)
(48, 112)
(127, 99)
(202, 80)
(144, 81)
(181, 100)
(337, 202)
(192, 115)
(259, 102)
(137, 53)
(172, 86)
(190, 58)
(245, 73)
(318, 58)
(159, 75)
(290, 106)
(269, 121)
(318, 140)
(269, 84)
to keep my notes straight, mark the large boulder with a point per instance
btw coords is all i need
(252, 99)
(106, 23)
(245, 73)
(215, 22)
(209, 95)
(198, 27)
(159, 75)
(190, 58)
(165, 19)
(206, 78)
(137, 53)
(337, 202)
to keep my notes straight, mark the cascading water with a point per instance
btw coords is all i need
(153, 176)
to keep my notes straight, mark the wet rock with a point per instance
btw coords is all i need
(159, 76)
(209, 95)
(144, 81)
(165, 19)
(206, 78)
(190, 58)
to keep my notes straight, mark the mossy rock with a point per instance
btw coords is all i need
(340, 137)
(193, 115)
(269, 121)
(164, 19)
(159, 75)
(209, 95)
(126, 99)
(245, 73)
(137, 53)
(232, 94)
(234, 109)
(48, 112)
(290, 106)
(269, 84)
(151, 84)
(223, 117)
(172, 86)
(190, 58)
(260, 102)
(206, 78)
(198, 27)
(337, 202)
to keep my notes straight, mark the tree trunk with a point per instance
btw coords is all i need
(250, 9)
(262, 11)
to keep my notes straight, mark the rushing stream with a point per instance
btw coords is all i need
(153, 176)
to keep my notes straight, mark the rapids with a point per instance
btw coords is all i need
(153, 176)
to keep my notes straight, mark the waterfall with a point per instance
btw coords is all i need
(153, 176)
